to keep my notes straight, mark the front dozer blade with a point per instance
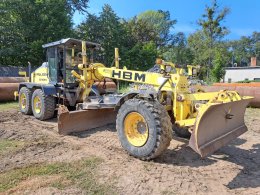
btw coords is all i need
(218, 124)
(81, 120)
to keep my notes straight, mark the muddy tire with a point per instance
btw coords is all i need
(182, 132)
(43, 106)
(25, 96)
(154, 124)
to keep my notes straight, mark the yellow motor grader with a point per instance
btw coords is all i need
(145, 116)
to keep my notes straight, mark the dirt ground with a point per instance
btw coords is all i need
(234, 169)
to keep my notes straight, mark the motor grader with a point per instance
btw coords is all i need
(145, 117)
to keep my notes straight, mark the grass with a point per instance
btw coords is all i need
(80, 173)
(249, 81)
(9, 146)
(8, 105)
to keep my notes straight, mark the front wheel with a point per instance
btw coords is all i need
(144, 128)
(43, 106)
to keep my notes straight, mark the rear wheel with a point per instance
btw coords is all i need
(182, 132)
(43, 106)
(25, 96)
(144, 128)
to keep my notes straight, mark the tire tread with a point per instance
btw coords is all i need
(163, 126)
(49, 105)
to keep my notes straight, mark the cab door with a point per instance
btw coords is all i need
(52, 56)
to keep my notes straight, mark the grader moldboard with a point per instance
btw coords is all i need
(146, 117)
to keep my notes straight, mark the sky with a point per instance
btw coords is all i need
(243, 19)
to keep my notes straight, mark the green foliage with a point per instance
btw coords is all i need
(80, 5)
(179, 52)
(245, 48)
(211, 22)
(198, 45)
(8, 105)
(137, 39)
(244, 81)
(113, 33)
(206, 42)
(141, 56)
(219, 62)
(26, 25)
(105, 29)
(9, 146)
(158, 23)
(80, 173)
(248, 81)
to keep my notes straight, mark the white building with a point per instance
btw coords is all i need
(234, 74)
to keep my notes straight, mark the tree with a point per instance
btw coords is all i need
(221, 59)
(140, 31)
(210, 36)
(241, 51)
(152, 26)
(105, 29)
(211, 23)
(198, 45)
(245, 48)
(113, 33)
(179, 52)
(256, 44)
(90, 29)
(140, 57)
(147, 35)
(26, 25)
(80, 5)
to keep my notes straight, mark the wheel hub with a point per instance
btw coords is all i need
(23, 101)
(141, 127)
(37, 104)
(136, 129)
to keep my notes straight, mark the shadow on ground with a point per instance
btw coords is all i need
(249, 160)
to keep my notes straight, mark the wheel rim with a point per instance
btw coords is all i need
(136, 129)
(37, 104)
(23, 101)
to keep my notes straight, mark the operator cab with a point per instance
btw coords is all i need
(64, 56)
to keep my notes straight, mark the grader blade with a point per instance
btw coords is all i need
(77, 121)
(218, 124)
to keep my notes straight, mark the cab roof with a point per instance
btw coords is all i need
(70, 42)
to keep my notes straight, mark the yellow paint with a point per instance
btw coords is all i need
(183, 102)
(136, 129)
(186, 122)
(22, 73)
(116, 58)
(23, 101)
(37, 105)
(40, 75)
(180, 101)
(73, 56)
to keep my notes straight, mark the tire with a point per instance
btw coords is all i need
(158, 126)
(25, 96)
(47, 105)
(182, 132)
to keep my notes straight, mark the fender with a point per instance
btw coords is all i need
(132, 95)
